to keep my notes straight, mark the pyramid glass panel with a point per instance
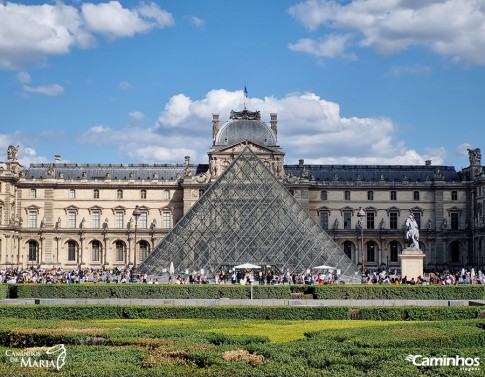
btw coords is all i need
(247, 216)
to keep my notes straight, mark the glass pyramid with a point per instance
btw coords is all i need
(247, 216)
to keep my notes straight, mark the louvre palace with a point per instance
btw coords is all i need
(245, 205)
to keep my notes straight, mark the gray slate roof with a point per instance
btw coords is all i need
(238, 130)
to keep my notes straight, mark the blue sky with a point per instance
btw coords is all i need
(353, 82)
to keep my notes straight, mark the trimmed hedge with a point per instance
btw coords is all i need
(393, 313)
(211, 291)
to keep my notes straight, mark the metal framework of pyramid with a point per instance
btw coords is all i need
(247, 216)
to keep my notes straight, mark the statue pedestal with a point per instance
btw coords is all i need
(411, 263)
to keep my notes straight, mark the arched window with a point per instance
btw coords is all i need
(394, 251)
(95, 250)
(120, 251)
(455, 252)
(201, 192)
(348, 248)
(32, 251)
(143, 245)
(371, 252)
(71, 250)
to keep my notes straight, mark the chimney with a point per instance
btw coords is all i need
(301, 162)
(428, 162)
(57, 158)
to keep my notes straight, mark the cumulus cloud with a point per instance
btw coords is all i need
(48, 90)
(56, 29)
(309, 127)
(136, 116)
(392, 26)
(329, 47)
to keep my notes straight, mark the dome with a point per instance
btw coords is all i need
(245, 125)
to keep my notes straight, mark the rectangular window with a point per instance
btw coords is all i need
(347, 195)
(370, 195)
(72, 194)
(119, 194)
(33, 193)
(32, 219)
(323, 195)
(454, 217)
(347, 218)
(393, 195)
(417, 217)
(324, 220)
(119, 220)
(370, 220)
(166, 220)
(393, 220)
(96, 194)
(143, 220)
(71, 219)
(416, 195)
(96, 220)
(95, 254)
(454, 195)
(119, 251)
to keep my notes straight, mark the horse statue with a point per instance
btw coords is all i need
(412, 232)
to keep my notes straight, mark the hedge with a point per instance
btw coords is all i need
(394, 313)
(212, 291)
(3, 291)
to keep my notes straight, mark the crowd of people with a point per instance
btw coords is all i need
(56, 275)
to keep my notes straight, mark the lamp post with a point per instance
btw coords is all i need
(136, 215)
(361, 215)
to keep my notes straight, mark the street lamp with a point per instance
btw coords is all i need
(136, 215)
(361, 215)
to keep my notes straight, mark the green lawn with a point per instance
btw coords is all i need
(199, 347)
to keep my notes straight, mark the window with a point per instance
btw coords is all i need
(96, 220)
(32, 251)
(371, 254)
(370, 217)
(120, 251)
(347, 195)
(393, 220)
(416, 195)
(455, 252)
(166, 217)
(347, 223)
(324, 220)
(166, 194)
(95, 248)
(454, 195)
(201, 192)
(393, 195)
(119, 220)
(71, 251)
(348, 249)
(370, 195)
(143, 194)
(71, 219)
(323, 195)
(143, 220)
(72, 194)
(32, 219)
(143, 250)
(119, 194)
(96, 194)
(417, 217)
(454, 217)
(33, 193)
(394, 251)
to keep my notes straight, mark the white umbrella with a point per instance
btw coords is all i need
(247, 266)
(171, 270)
(324, 267)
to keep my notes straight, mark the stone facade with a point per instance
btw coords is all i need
(75, 215)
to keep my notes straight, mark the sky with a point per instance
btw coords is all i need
(353, 82)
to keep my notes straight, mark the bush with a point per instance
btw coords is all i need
(3, 291)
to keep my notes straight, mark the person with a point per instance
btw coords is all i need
(412, 232)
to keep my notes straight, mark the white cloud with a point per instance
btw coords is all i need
(114, 21)
(308, 127)
(330, 47)
(125, 85)
(136, 116)
(24, 78)
(196, 21)
(451, 28)
(48, 90)
(30, 33)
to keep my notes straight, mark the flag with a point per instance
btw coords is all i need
(245, 92)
